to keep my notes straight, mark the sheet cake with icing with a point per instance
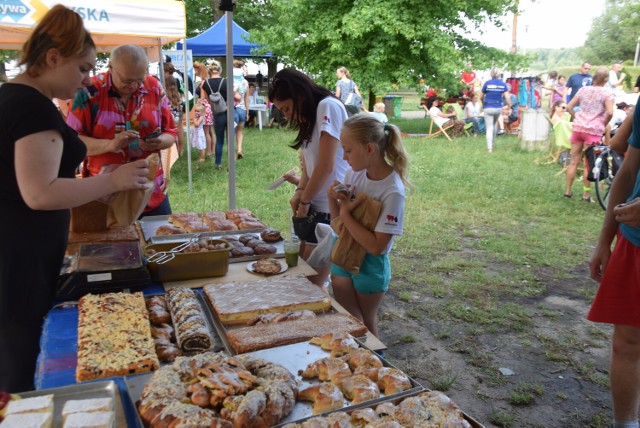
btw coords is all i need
(239, 302)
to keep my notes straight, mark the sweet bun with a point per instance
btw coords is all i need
(242, 252)
(265, 249)
(246, 237)
(250, 224)
(168, 229)
(253, 243)
(270, 235)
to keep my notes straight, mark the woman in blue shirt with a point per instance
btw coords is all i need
(493, 91)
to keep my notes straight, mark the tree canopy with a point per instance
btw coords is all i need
(614, 34)
(381, 42)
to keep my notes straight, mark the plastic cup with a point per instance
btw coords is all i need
(292, 251)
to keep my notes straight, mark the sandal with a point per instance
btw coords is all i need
(568, 195)
(588, 199)
(240, 155)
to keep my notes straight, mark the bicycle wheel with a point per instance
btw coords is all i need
(603, 185)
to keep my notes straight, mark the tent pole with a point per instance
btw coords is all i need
(231, 132)
(188, 113)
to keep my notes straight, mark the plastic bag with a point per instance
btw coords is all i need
(321, 255)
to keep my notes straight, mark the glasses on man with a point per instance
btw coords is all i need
(128, 82)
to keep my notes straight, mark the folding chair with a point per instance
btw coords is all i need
(441, 130)
(561, 133)
(460, 115)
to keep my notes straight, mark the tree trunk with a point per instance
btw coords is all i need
(3, 72)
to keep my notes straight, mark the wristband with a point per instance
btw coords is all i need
(299, 188)
(305, 203)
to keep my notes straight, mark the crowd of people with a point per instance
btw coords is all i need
(123, 116)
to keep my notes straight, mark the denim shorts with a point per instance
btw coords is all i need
(240, 115)
(374, 275)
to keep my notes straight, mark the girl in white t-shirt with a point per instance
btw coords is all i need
(379, 163)
(318, 116)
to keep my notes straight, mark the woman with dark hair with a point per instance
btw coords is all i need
(318, 117)
(39, 155)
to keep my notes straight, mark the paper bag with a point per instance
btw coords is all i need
(125, 207)
(347, 253)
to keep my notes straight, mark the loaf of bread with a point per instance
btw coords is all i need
(220, 224)
(247, 339)
(192, 333)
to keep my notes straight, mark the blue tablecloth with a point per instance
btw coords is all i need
(58, 352)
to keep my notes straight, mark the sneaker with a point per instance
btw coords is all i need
(218, 166)
(501, 132)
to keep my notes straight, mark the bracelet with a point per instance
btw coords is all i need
(299, 188)
(305, 203)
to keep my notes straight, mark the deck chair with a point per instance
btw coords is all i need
(432, 121)
(561, 133)
(460, 115)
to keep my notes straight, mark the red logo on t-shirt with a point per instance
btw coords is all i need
(326, 120)
(392, 218)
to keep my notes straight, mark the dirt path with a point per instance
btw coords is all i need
(559, 365)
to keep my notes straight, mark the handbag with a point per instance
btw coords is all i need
(304, 227)
(353, 99)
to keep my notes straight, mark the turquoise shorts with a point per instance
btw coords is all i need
(374, 275)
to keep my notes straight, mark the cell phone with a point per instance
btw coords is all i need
(154, 134)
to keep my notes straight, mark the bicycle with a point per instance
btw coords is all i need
(604, 170)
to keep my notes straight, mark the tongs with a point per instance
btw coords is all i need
(161, 257)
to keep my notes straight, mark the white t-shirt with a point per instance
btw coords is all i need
(390, 192)
(433, 112)
(329, 118)
(613, 79)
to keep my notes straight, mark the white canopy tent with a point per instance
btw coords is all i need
(146, 23)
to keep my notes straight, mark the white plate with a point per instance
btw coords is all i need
(283, 268)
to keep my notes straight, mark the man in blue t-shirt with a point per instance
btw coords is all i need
(578, 80)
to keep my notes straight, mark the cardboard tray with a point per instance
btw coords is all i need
(80, 391)
(189, 265)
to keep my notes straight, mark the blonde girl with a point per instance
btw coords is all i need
(198, 139)
(379, 163)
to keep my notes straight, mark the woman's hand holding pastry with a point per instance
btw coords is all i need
(131, 176)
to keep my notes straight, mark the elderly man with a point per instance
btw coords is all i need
(123, 116)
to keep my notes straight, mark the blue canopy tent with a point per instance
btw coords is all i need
(224, 38)
(212, 42)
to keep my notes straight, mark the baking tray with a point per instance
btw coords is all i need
(294, 357)
(178, 239)
(218, 343)
(395, 400)
(149, 225)
(297, 357)
(81, 391)
(222, 329)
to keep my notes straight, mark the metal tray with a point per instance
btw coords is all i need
(218, 343)
(294, 357)
(297, 357)
(150, 224)
(395, 400)
(80, 391)
(222, 329)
